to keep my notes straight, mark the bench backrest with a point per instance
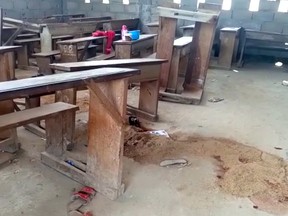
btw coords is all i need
(116, 25)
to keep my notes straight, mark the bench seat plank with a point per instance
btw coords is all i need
(77, 66)
(28, 116)
(183, 41)
(48, 84)
(47, 54)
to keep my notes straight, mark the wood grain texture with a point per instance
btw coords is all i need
(21, 118)
(86, 65)
(106, 139)
(200, 54)
(49, 84)
(165, 42)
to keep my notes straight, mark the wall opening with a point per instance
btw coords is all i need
(226, 4)
(283, 6)
(254, 5)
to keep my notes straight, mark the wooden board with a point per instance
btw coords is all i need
(18, 119)
(200, 54)
(78, 66)
(195, 16)
(80, 40)
(39, 85)
(165, 43)
(105, 162)
(5, 49)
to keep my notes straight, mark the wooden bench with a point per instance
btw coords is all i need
(229, 43)
(149, 81)
(263, 43)
(23, 53)
(69, 48)
(143, 47)
(153, 27)
(179, 63)
(108, 98)
(44, 59)
(62, 113)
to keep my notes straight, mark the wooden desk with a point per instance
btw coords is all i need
(142, 47)
(229, 38)
(23, 53)
(7, 72)
(149, 81)
(69, 48)
(108, 99)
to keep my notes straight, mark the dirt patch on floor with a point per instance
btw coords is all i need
(240, 170)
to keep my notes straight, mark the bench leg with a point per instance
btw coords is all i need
(22, 55)
(59, 133)
(148, 101)
(44, 65)
(174, 71)
(106, 137)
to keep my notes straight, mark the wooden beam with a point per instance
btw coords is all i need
(196, 16)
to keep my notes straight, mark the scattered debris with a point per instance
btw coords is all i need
(43, 139)
(134, 121)
(160, 133)
(174, 162)
(278, 148)
(285, 82)
(215, 99)
(236, 71)
(255, 207)
(278, 64)
(79, 199)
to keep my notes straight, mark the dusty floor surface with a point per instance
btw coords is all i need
(253, 113)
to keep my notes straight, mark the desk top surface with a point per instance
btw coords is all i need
(141, 38)
(80, 40)
(45, 84)
(85, 65)
(5, 49)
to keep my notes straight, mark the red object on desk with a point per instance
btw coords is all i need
(110, 37)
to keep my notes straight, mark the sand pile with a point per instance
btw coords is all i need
(240, 170)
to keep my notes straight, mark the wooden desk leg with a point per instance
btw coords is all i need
(44, 65)
(22, 55)
(11, 57)
(8, 138)
(200, 55)
(174, 71)
(106, 138)
(228, 40)
(123, 51)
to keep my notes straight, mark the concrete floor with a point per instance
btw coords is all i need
(253, 113)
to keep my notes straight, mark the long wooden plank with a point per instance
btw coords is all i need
(196, 16)
(86, 65)
(141, 39)
(80, 40)
(24, 117)
(39, 85)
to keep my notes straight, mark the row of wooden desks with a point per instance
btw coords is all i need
(102, 168)
(148, 79)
